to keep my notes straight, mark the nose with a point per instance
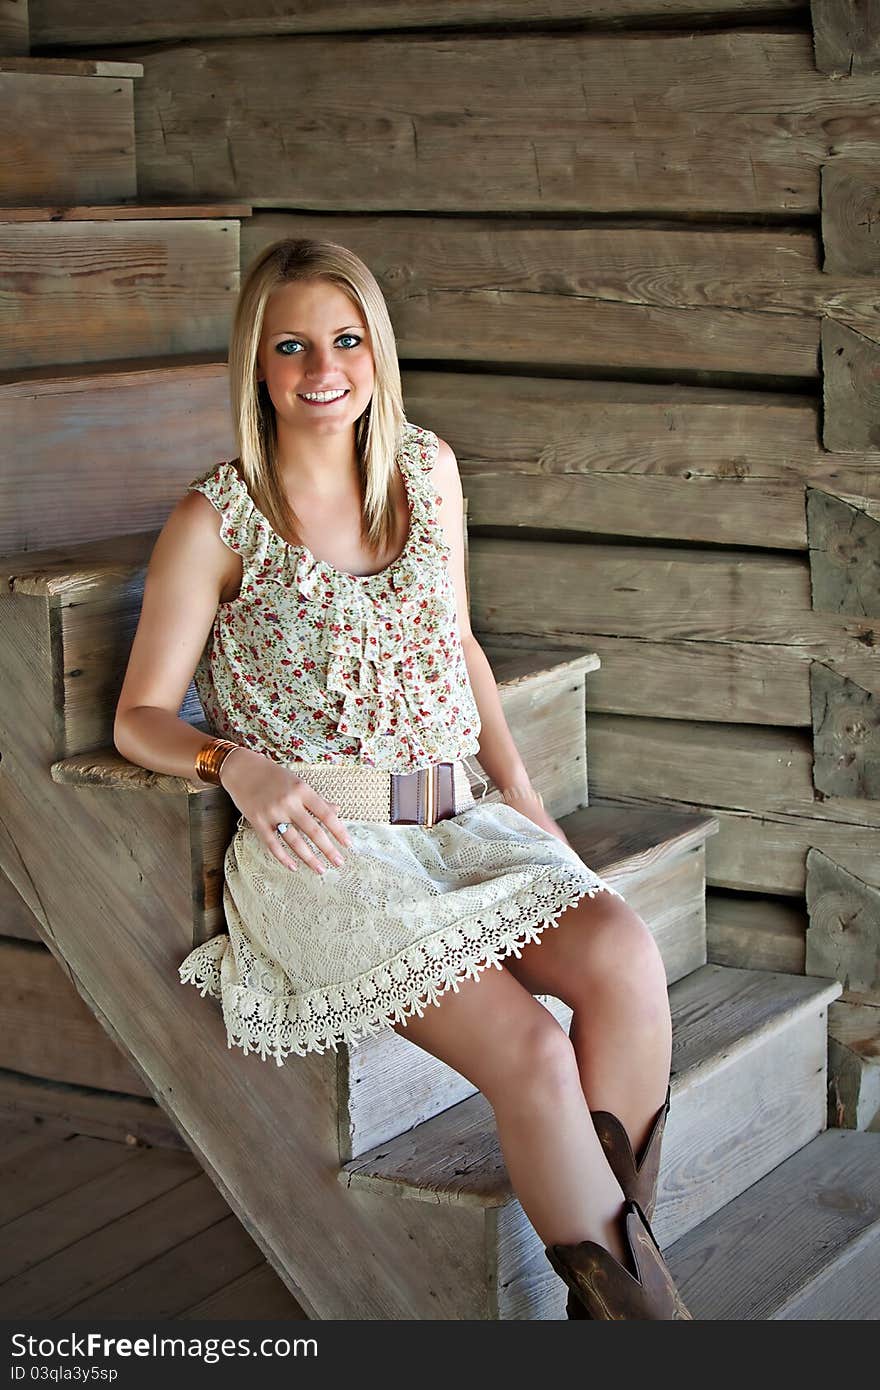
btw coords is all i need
(319, 362)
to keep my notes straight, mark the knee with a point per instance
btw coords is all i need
(621, 951)
(540, 1065)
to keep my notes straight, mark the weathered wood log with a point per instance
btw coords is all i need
(14, 32)
(843, 938)
(66, 22)
(846, 35)
(755, 933)
(744, 110)
(851, 388)
(854, 1066)
(851, 217)
(846, 735)
(844, 544)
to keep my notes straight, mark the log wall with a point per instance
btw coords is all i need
(633, 262)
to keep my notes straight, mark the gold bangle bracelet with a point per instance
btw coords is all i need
(211, 757)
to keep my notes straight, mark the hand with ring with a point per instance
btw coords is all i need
(282, 808)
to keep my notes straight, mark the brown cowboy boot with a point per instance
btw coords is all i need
(637, 1178)
(608, 1290)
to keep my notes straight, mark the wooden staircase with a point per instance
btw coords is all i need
(370, 1177)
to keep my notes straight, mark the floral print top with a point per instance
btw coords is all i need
(311, 664)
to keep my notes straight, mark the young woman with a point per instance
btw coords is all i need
(315, 589)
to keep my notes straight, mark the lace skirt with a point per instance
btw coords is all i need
(310, 961)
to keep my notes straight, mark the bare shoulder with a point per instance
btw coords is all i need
(191, 536)
(445, 475)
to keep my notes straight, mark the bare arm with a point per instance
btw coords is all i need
(188, 569)
(188, 572)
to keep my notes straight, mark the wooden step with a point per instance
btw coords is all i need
(67, 130)
(116, 282)
(70, 67)
(748, 1090)
(106, 448)
(129, 210)
(803, 1243)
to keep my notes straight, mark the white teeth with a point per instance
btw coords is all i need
(322, 395)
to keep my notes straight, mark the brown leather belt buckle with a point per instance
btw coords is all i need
(423, 797)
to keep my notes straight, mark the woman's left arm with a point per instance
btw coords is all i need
(499, 755)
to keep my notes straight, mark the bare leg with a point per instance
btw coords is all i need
(602, 961)
(508, 1044)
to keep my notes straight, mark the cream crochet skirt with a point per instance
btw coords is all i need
(309, 961)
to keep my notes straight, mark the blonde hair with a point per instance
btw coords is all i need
(379, 429)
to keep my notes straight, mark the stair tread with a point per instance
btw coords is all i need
(790, 1237)
(455, 1157)
(136, 211)
(71, 67)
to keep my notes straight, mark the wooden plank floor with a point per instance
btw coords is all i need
(95, 1227)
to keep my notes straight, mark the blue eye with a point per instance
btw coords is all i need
(294, 342)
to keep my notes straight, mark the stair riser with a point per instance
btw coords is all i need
(729, 1125)
(66, 139)
(154, 288)
(392, 1084)
(91, 457)
(96, 633)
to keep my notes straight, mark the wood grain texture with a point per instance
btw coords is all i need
(48, 1031)
(846, 35)
(854, 1066)
(843, 938)
(754, 1027)
(755, 933)
(851, 217)
(83, 1110)
(653, 298)
(38, 66)
(16, 918)
(14, 32)
(816, 1212)
(850, 376)
(846, 736)
(744, 110)
(65, 22)
(100, 453)
(80, 291)
(135, 211)
(65, 138)
(844, 556)
(649, 461)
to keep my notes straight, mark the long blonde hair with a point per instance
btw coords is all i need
(379, 429)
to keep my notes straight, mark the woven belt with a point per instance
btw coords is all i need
(361, 792)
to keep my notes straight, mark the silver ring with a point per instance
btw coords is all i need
(282, 826)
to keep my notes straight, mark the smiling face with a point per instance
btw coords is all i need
(315, 341)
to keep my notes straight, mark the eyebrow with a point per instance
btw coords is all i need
(296, 334)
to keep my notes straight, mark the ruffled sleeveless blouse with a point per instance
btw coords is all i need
(312, 664)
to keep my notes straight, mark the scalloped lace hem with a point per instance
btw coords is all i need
(275, 1022)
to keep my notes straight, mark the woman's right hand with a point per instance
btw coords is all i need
(266, 792)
